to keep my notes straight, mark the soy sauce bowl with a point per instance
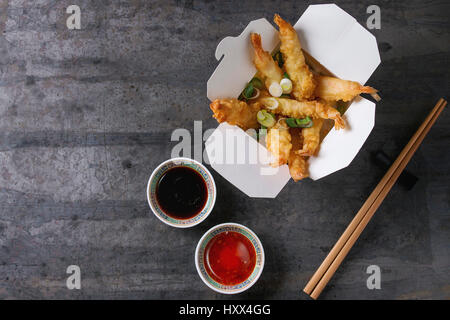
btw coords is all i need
(166, 217)
(202, 247)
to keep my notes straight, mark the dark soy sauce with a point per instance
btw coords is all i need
(181, 192)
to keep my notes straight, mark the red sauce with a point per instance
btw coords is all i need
(229, 258)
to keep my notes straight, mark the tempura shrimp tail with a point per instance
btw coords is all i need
(302, 78)
(264, 62)
(330, 88)
(298, 165)
(311, 139)
(328, 112)
(369, 90)
(278, 142)
(236, 112)
(300, 109)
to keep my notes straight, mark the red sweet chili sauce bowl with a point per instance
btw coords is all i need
(229, 258)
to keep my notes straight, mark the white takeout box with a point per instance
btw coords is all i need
(338, 42)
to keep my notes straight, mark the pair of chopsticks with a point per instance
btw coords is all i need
(340, 250)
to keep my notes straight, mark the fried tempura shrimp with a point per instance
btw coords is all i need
(301, 109)
(278, 142)
(295, 65)
(329, 88)
(264, 62)
(311, 138)
(236, 112)
(298, 165)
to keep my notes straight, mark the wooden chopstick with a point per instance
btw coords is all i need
(357, 232)
(359, 216)
(357, 225)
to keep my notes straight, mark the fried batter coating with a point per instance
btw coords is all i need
(301, 109)
(236, 112)
(330, 88)
(278, 142)
(311, 139)
(295, 65)
(298, 165)
(264, 62)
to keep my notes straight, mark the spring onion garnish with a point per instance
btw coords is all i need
(256, 94)
(278, 57)
(260, 116)
(251, 91)
(248, 91)
(257, 83)
(265, 118)
(299, 123)
(286, 76)
(282, 122)
(285, 95)
(291, 122)
(308, 125)
(304, 123)
(275, 90)
(271, 103)
(286, 85)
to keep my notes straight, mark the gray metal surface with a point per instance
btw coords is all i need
(85, 116)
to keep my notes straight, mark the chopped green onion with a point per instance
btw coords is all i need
(286, 85)
(257, 83)
(270, 103)
(285, 95)
(291, 122)
(248, 91)
(256, 93)
(299, 123)
(286, 76)
(308, 125)
(304, 123)
(241, 97)
(265, 118)
(275, 90)
(278, 57)
(260, 116)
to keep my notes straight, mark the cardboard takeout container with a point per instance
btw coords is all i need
(343, 47)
